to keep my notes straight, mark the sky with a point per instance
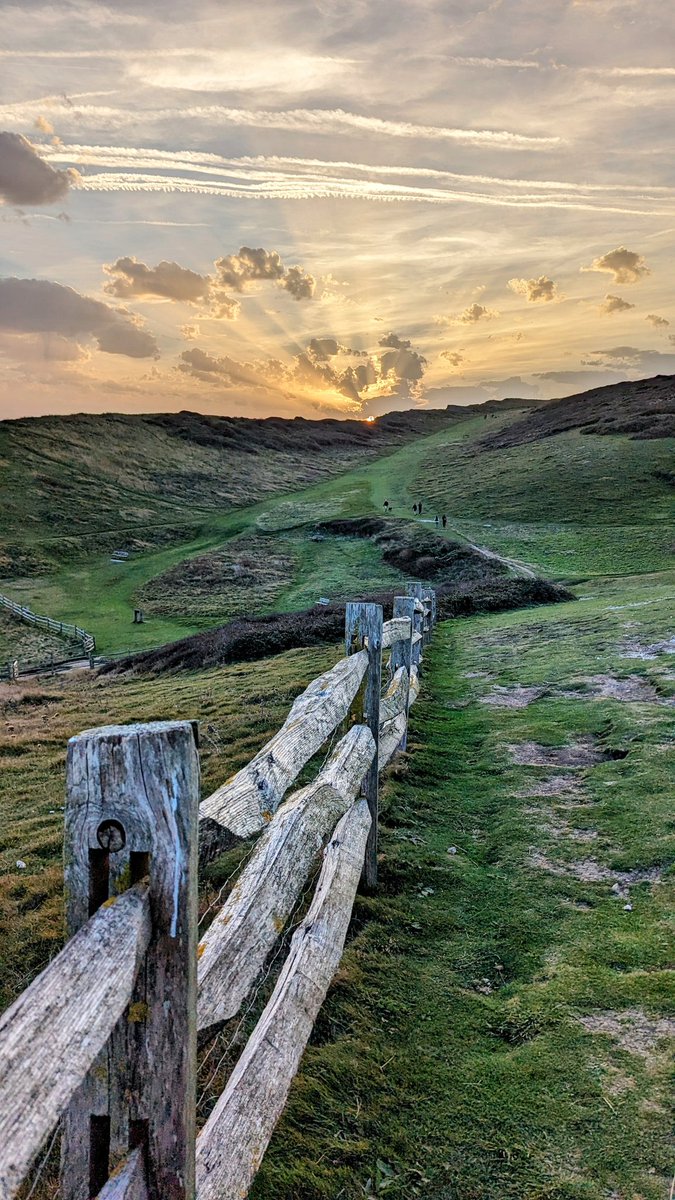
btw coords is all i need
(332, 208)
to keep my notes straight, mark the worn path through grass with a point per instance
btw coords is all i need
(499, 1025)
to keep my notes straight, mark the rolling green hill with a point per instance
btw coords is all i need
(499, 1023)
(237, 502)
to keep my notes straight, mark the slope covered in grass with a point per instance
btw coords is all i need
(500, 1023)
(73, 486)
(644, 408)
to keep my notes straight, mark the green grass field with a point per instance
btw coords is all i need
(499, 1024)
(572, 507)
(461, 1051)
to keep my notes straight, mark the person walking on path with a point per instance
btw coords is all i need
(445, 520)
(437, 519)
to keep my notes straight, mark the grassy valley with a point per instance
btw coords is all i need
(501, 1022)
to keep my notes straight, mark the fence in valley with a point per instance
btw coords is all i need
(61, 628)
(105, 1039)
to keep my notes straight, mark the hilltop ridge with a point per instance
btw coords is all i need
(641, 408)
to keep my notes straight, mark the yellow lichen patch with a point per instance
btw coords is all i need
(200, 949)
(226, 918)
(123, 881)
(278, 923)
(110, 901)
(138, 1012)
(266, 814)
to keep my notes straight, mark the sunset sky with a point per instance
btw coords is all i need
(338, 207)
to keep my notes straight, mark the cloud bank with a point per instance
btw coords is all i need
(40, 306)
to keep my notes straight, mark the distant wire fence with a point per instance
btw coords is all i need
(15, 667)
(105, 1039)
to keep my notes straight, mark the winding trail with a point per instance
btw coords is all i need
(519, 569)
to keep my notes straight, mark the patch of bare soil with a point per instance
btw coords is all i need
(591, 871)
(633, 688)
(513, 697)
(582, 753)
(634, 649)
(633, 1029)
(551, 823)
(552, 785)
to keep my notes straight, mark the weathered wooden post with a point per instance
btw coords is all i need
(363, 629)
(422, 593)
(402, 652)
(432, 594)
(132, 811)
(13, 670)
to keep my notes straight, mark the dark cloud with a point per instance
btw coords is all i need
(657, 321)
(614, 304)
(237, 270)
(25, 178)
(299, 283)
(626, 266)
(454, 357)
(631, 358)
(323, 348)
(541, 289)
(40, 306)
(513, 387)
(400, 365)
(168, 280)
(171, 281)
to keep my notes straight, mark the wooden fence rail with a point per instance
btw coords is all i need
(105, 1039)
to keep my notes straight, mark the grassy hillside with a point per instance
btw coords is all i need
(572, 506)
(80, 485)
(644, 408)
(101, 593)
(499, 1024)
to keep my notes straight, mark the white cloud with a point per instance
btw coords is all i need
(626, 266)
(285, 70)
(615, 304)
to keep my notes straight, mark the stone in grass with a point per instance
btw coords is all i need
(21, 866)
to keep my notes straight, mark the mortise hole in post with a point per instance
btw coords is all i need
(99, 879)
(99, 1151)
(138, 1135)
(139, 866)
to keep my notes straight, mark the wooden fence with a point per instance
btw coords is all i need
(62, 628)
(105, 1039)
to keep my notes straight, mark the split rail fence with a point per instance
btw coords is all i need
(62, 628)
(105, 1039)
